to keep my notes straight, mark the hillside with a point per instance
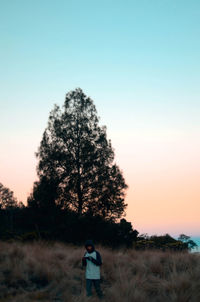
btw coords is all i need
(41, 271)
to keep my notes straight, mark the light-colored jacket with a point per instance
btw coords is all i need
(92, 270)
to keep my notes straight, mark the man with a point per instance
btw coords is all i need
(92, 261)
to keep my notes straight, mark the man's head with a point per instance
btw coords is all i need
(89, 246)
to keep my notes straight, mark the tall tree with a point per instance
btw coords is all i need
(76, 157)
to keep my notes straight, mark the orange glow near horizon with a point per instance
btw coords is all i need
(163, 178)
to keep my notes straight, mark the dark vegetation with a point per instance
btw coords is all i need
(80, 191)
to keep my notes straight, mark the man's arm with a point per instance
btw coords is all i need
(98, 260)
(84, 262)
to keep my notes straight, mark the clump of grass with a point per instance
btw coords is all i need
(42, 271)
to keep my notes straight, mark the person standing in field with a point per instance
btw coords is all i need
(92, 261)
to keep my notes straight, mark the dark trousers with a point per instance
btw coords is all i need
(96, 283)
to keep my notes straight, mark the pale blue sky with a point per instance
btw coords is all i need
(139, 61)
(129, 53)
(123, 49)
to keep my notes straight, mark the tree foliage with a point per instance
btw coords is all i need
(76, 160)
(187, 240)
(7, 199)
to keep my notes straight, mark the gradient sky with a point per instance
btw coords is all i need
(140, 63)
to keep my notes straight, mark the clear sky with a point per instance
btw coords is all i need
(140, 63)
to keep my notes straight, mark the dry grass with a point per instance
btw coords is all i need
(46, 272)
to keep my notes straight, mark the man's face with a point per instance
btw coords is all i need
(89, 248)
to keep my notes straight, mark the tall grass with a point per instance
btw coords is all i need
(42, 271)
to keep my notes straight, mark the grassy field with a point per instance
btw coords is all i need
(41, 271)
